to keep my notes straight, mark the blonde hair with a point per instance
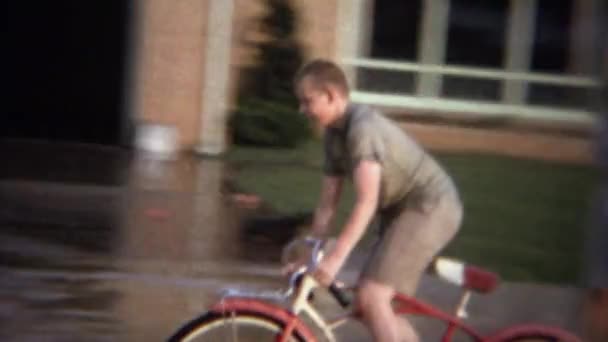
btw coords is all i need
(323, 72)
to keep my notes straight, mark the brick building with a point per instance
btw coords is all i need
(188, 54)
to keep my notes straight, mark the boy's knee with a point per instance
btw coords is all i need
(371, 294)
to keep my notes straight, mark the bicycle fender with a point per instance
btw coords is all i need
(275, 312)
(527, 329)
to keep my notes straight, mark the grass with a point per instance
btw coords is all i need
(524, 219)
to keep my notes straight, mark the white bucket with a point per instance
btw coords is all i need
(156, 141)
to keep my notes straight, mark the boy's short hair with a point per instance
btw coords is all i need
(324, 72)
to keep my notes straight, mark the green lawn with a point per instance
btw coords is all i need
(523, 218)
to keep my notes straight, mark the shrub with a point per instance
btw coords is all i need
(265, 123)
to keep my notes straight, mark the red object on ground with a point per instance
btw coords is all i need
(157, 213)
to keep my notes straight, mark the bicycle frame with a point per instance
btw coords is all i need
(295, 303)
(409, 305)
(404, 305)
(300, 305)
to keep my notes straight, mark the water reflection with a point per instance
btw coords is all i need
(178, 211)
(121, 262)
(178, 243)
(44, 290)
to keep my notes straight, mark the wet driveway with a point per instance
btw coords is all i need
(96, 245)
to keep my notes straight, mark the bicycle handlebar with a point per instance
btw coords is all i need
(339, 295)
(316, 255)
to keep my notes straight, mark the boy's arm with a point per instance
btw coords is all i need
(366, 179)
(331, 189)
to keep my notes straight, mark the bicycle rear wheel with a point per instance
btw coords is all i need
(239, 326)
(541, 338)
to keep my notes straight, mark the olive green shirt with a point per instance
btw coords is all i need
(408, 172)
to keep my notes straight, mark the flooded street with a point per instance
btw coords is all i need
(124, 260)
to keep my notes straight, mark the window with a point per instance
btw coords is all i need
(476, 37)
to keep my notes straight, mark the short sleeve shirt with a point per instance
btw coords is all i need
(408, 171)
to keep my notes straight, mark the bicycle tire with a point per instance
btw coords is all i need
(214, 326)
(536, 337)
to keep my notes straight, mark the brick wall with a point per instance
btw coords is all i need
(171, 55)
(170, 60)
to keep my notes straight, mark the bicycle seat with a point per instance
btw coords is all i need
(466, 276)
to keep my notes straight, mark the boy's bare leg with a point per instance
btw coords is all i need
(374, 301)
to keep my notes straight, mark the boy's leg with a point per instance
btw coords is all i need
(379, 316)
(410, 242)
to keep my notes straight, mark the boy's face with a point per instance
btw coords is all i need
(315, 101)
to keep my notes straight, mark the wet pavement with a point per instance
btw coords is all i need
(99, 245)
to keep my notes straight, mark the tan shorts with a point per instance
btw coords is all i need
(411, 236)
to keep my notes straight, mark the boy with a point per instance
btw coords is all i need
(417, 202)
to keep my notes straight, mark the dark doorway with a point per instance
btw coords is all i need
(65, 71)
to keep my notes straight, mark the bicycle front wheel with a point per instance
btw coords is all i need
(237, 326)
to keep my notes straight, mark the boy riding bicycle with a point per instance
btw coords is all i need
(418, 204)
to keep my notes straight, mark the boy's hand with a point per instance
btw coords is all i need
(295, 255)
(328, 268)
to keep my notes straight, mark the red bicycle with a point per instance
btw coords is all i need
(291, 316)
